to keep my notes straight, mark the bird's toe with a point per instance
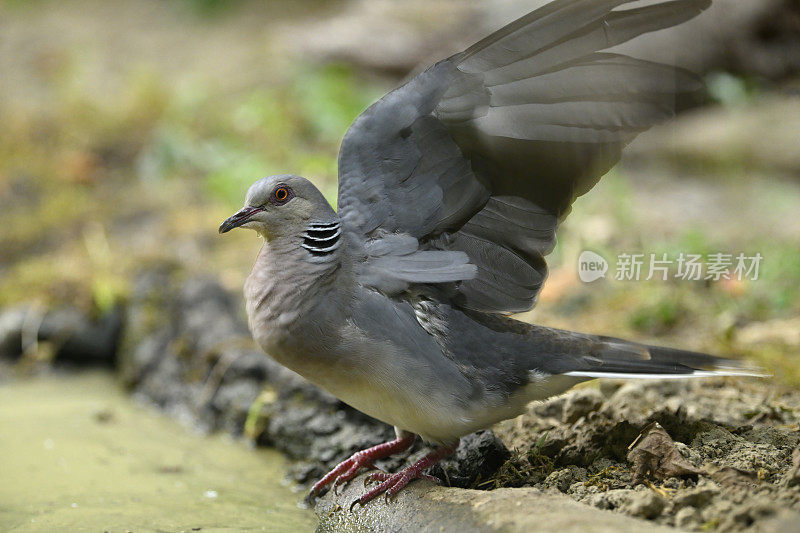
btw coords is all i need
(376, 476)
(344, 478)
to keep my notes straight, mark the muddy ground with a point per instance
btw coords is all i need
(725, 455)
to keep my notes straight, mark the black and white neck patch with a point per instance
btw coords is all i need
(322, 239)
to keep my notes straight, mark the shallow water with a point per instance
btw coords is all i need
(77, 455)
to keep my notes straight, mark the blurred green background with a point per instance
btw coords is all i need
(131, 129)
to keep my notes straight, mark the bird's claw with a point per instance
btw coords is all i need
(391, 484)
(343, 479)
(344, 472)
(347, 469)
(338, 482)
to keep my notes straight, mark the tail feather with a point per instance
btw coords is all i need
(616, 358)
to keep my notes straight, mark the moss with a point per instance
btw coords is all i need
(521, 469)
(604, 478)
(257, 415)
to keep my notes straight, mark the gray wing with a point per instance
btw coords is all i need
(461, 176)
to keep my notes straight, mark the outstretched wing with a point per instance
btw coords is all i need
(461, 176)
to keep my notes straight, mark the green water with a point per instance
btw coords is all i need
(77, 455)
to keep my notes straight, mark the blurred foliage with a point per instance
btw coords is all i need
(659, 317)
(94, 189)
(294, 128)
(83, 178)
(730, 90)
(212, 7)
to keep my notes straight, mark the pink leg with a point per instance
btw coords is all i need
(394, 483)
(347, 469)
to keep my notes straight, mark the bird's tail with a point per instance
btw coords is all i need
(609, 357)
(560, 352)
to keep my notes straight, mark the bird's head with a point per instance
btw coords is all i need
(278, 206)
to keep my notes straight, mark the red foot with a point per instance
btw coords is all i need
(383, 476)
(391, 484)
(347, 469)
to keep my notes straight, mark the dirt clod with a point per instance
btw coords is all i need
(793, 476)
(646, 505)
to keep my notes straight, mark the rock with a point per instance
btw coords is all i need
(425, 507)
(581, 403)
(793, 475)
(752, 511)
(687, 519)
(734, 478)
(89, 342)
(306, 430)
(144, 357)
(73, 337)
(631, 402)
(610, 499)
(553, 407)
(477, 458)
(231, 404)
(149, 327)
(697, 497)
(562, 479)
(11, 323)
(783, 520)
(646, 504)
(752, 457)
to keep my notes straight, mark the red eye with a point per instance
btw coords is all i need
(281, 195)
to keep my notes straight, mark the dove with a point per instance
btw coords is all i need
(451, 189)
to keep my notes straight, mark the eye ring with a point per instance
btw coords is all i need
(281, 194)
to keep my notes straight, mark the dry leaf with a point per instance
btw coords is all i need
(653, 454)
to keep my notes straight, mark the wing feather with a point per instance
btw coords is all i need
(460, 177)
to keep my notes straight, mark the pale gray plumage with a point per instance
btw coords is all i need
(450, 192)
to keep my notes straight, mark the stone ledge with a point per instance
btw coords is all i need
(425, 507)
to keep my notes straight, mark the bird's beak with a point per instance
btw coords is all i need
(241, 217)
